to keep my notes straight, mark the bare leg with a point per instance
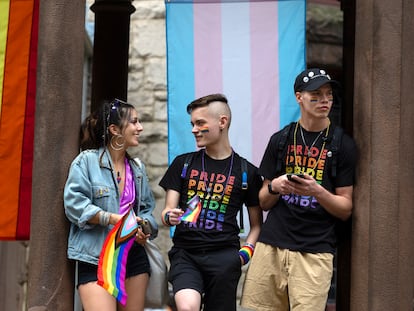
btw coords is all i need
(188, 300)
(95, 298)
(136, 288)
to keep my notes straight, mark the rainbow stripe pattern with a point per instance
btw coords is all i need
(18, 57)
(204, 129)
(251, 51)
(246, 252)
(114, 255)
(193, 210)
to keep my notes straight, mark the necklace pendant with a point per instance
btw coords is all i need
(218, 197)
(309, 153)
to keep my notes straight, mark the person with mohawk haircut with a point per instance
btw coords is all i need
(204, 192)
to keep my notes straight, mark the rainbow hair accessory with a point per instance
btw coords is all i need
(114, 255)
(193, 210)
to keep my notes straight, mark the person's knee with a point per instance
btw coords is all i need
(187, 306)
(187, 300)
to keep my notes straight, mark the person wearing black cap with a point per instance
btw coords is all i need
(308, 178)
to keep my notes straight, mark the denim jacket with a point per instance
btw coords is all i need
(91, 187)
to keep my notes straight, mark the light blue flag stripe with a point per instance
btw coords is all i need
(292, 55)
(180, 77)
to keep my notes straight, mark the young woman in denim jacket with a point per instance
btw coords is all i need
(103, 183)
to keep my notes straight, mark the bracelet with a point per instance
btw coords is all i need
(249, 244)
(104, 218)
(269, 187)
(167, 219)
(246, 252)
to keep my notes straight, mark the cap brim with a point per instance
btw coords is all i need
(316, 84)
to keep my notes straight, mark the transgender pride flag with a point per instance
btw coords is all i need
(18, 56)
(251, 51)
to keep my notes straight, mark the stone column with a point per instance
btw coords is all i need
(58, 112)
(111, 47)
(383, 250)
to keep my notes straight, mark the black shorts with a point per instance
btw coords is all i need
(213, 273)
(137, 263)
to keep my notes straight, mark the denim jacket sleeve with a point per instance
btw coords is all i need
(88, 190)
(146, 201)
(77, 195)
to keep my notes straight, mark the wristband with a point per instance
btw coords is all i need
(246, 252)
(167, 219)
(269, 187)
(249, 244)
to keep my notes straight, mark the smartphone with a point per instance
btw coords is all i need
(289, 176)
(145, 226)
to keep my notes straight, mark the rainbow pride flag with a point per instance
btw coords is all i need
(251, 51)
(193, 210)
(114, 255)
(18, 56)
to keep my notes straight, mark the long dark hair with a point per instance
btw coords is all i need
(94, 131)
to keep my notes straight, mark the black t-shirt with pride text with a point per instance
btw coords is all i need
(220, 195)
(296, 222)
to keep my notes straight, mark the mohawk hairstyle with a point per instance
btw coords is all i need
(205, 101)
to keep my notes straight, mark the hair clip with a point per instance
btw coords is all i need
(115, 103)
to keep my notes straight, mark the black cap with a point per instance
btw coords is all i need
(312, 79)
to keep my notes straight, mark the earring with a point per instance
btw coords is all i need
(117, 142)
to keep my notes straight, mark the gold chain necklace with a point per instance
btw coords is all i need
(323, 145)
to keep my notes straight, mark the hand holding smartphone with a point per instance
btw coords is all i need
(289, 176)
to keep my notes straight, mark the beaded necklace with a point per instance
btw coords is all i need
(323, 145)
(228, 175)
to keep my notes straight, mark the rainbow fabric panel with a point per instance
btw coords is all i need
(114, 255)
(251, 51)
(18, 57)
